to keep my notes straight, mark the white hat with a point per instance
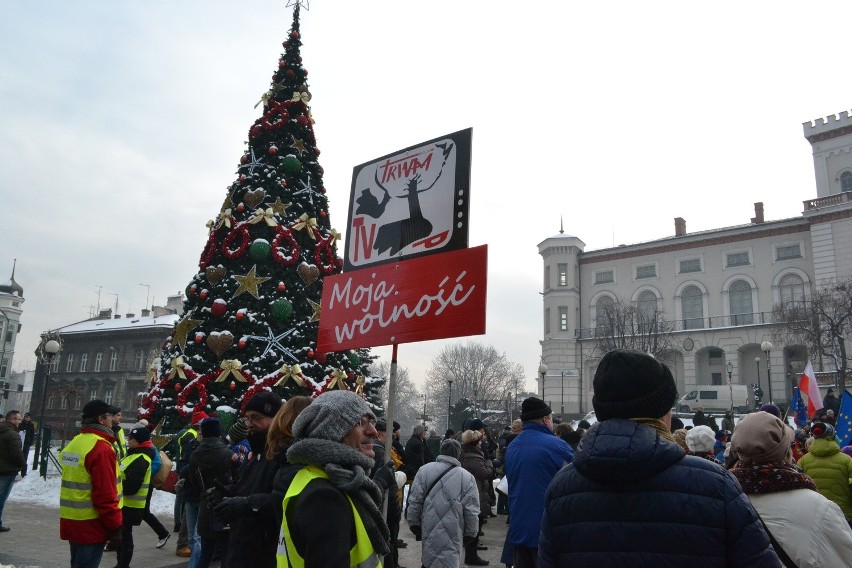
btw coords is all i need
(700, 439)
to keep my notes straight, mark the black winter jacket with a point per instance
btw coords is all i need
(132, 478)
(632, 498)
(210, 462)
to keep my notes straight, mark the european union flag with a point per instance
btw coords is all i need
(800, 411)
(843, 429)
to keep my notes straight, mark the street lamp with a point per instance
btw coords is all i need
(759, 392)
(766, 347)
(562, 394)
(46, 352)
(730, 367)
(449, 401)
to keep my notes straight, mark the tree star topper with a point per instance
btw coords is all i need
(249, 282)
(303, 3)
(182, 329)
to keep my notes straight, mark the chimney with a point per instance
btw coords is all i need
(680, 226)
(116, 316)
(128, 316)
(146, 313)
(758, 213)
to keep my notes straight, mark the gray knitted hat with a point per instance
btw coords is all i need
(331, 415)
(450, 447)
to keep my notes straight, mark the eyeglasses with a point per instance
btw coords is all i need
(366, 422)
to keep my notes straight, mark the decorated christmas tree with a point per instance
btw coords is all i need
(252, 310)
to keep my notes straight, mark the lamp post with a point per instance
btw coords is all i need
(46, 352)
(730, 367)
(562, 394)
(766, 347)
(449, 401)
(542, 370)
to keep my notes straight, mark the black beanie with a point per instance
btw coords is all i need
(141, 434)
(631, 384)
(533, 408)
(265, 402)
(211, 428)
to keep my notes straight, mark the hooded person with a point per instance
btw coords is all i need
(251, 509)
(334, 449)
(449, 519)
(830, 468)
(632, 483)
(785, 498)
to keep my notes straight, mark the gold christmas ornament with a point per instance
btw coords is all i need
(317, 308)
(249, 283)
(214, 274)
(308, 272)
(182, 329)
(305, 222)
(288, 372)
(279, 206)
(230, 367)
(220, 342)
(337, 378)
(254, 197)
(267, 216)
(299, 146)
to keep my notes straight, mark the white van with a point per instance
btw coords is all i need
(716, 398)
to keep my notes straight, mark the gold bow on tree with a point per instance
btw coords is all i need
(230, 367)
(152, 373)
(309, 222)
(263, 98)
(225, 218)
(177, 368)
(261, 215)
(335, 236)
(303, 96)
(288, 372)
(360, 382)
(337, 378)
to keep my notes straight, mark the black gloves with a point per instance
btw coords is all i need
(230, 508)
(384, 476)
(418, 533)
(215, 495)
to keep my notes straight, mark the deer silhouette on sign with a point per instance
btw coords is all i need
(399, 234)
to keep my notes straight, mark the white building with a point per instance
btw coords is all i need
(717, 287)
(11, 300)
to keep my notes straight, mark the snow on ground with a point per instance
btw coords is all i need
(45, 492)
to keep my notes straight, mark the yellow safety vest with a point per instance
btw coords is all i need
(120, 444)
(75, 494)
(137, 500)
(189, 431)
(361, 555)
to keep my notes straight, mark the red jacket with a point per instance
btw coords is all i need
(100, 463)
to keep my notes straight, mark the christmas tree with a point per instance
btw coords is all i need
(251, 312)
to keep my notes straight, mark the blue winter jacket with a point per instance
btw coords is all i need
(532, 459)
(632, 498)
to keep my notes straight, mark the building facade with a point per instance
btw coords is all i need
(107, 357)
(715, 289)
(11, 308)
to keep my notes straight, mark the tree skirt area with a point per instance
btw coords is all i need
(37, 491)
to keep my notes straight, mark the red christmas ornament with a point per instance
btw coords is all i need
(321, 358)
(290, 73)
(273, 150)
(282, 64)
(294, 34)
(285, 44)
(241, 207)
(193, 289)
(199, 337)
(305, 72)
(322, 213)
(178, 386)
(242, 343)
(283, 183)
(282, 287)
(316, 151)
(240, 315)
(242, 178)
(244, 159)
(302, 120)
(310, 353)
(203, 294)
(233, 385)
(322, 189)
(219, 308)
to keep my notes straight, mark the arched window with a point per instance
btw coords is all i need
(647, 304)
(741, 308)
(604, 309)
(846, 181)
(792, 289)
(692, 306)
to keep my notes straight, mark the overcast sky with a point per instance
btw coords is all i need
(122, 123)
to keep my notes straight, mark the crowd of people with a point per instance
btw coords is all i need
(636, 488)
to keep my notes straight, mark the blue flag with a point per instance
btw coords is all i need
(797, 405)
(843, 428)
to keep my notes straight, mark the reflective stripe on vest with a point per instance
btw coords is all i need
(75, 493)
(137, 500)
(120, 444)
(190, 432)
(360, 556)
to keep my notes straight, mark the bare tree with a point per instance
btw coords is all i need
(624, 325)
(479, 373)
(409, 401)
(821, 323)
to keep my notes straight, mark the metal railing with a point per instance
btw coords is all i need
(712, 322)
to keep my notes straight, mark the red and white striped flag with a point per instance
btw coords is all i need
(808, 386)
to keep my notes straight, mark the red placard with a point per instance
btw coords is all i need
(431, 297)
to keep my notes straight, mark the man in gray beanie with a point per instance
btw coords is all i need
(631, 482)
(331, 506)
(449, 519)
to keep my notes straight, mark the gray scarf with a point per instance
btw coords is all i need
(347, 470)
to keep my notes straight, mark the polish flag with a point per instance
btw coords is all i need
(808, 386)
